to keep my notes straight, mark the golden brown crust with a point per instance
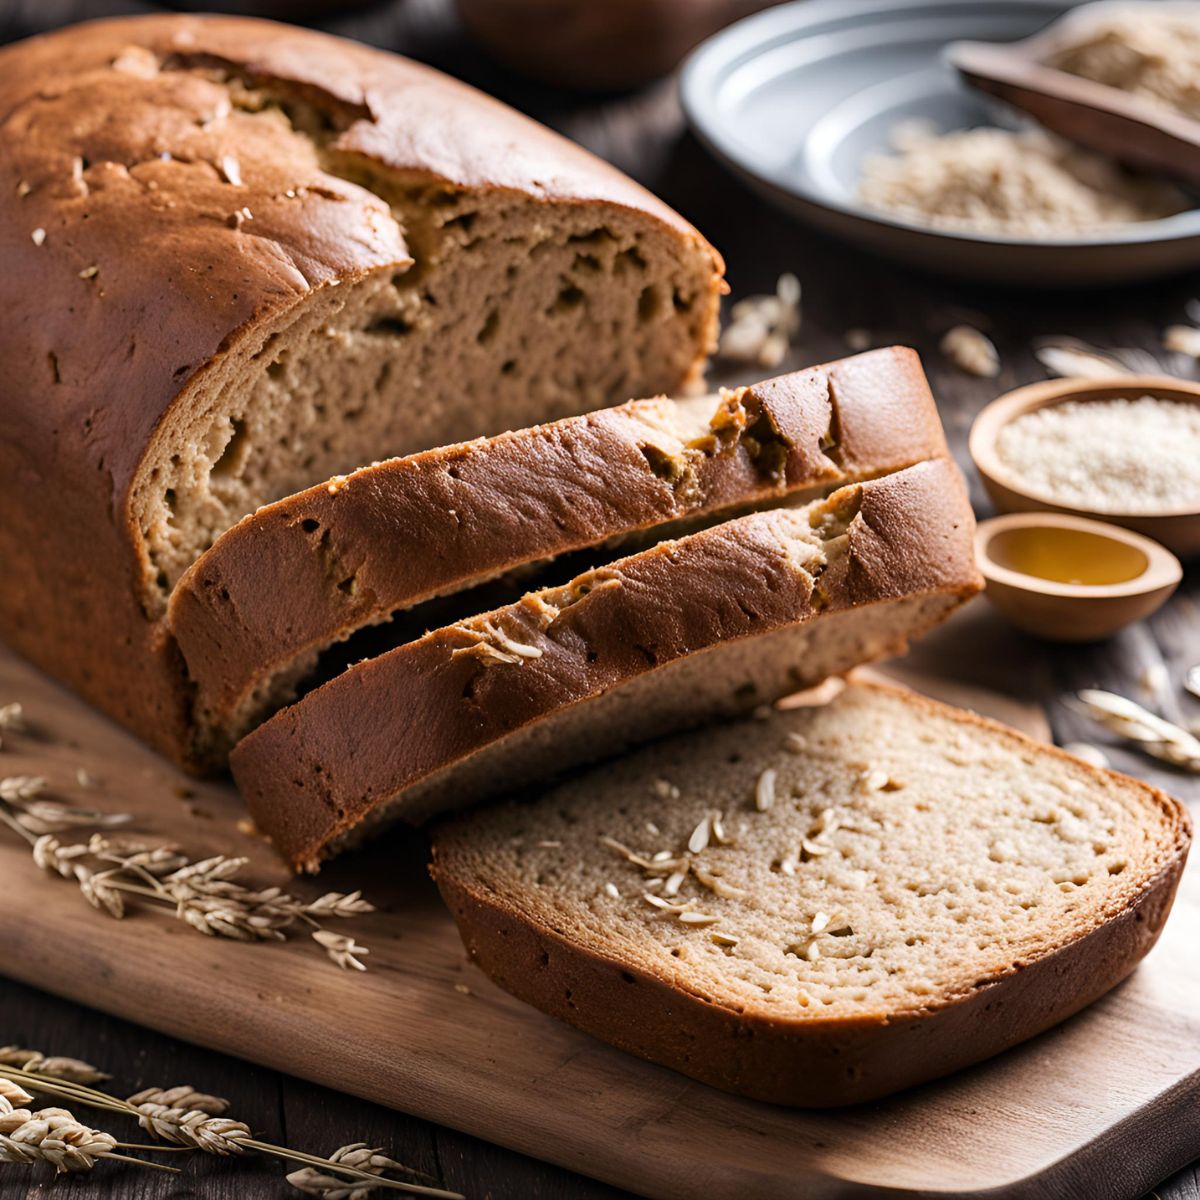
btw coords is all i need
(133, 273)
(306, 571)
(805, 1061)
(319, 768)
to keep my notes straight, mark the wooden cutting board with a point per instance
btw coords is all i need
(1100, 1108)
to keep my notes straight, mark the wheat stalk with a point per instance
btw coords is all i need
(359, 1155)
(72, 1070)
(1156, 736)
(204, 894)
(204, 1127)
(53, 1135)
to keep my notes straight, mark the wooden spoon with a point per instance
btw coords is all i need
(1131, 130)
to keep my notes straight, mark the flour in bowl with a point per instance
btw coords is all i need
(1147, 50)
(1023, 184)
(1108, 456)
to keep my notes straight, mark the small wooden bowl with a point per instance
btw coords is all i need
(1177, 529)
(1143, 574)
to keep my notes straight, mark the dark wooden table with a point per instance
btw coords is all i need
(643, 133)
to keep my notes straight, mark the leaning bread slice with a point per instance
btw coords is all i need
(252, 613)
(712, 623)
(824, 906)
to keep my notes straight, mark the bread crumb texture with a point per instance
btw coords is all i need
(904, 856)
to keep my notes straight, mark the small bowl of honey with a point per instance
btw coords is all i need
(1070, 579)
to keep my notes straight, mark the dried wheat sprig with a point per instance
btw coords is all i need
(53, 1135)
(312, 1182)
(12, 1095)
(204, 894)
(16, 789)
(220, 1136)
(185, 1097)
(67, 1070)
(195, 1128)
(1156, 736)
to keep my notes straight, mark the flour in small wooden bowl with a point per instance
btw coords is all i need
(1127, 456)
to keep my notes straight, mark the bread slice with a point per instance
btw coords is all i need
(251, 615)
(713, 623)
(824, 906)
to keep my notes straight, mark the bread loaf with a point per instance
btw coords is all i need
(824, 906)
(242, 257)
(251, 615)
(711, 624)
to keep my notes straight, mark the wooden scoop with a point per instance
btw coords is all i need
(1131, 130)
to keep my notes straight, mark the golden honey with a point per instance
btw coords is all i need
(1067, 556)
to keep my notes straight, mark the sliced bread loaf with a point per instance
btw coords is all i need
(243, 256)
(713, 623)
(823, 906)
(300, 574)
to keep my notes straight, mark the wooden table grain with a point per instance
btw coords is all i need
(643, 133)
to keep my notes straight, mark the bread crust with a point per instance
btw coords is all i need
(808, 1062)
(305, 572)
(133, 278)
(317, 769)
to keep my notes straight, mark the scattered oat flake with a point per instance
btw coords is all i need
(674, 883)
(24, 188)
(876, 781)
(691, 917)
(723, 939)
(1182, 339)
(813, 952)
(1070, 359)
(718, 830)
(796, 743)
(462, 989)
(971, 351)
(699, 839)
(764, 791)
(665, 789)
(610, 889)
(39, 236)
(820, 922)
(231, 170)
(652, 828)
(89, 272)
(1154, 679)
(1089, 753)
